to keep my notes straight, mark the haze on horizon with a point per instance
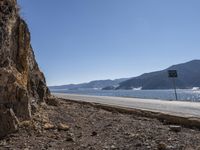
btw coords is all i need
(77, 41)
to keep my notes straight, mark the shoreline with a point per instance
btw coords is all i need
(184, 119)
(187, 108)
(189, 122)
(166, 95)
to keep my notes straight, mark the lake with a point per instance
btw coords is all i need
(183, 95)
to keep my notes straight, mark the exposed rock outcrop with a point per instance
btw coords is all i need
(22, 84)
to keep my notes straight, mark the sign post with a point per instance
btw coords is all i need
(173, 74)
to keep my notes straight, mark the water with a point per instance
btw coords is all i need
(183, 95)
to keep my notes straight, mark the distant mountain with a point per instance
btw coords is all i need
(98, 84)
(188, 77)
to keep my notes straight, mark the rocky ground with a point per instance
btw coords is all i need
(75, 126)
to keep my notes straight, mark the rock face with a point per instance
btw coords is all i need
(22, 84)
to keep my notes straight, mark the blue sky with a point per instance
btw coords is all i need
(82, 40)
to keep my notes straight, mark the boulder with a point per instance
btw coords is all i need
(63, 127)
(9, 122)
(48, 126)
(22, 84)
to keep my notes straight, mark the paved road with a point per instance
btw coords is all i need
(186, 109)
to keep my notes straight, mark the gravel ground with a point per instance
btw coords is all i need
(74, 126)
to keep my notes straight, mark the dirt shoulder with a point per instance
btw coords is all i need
(78, 126)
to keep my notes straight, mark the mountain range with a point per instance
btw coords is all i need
(188, 77)
(97, 84)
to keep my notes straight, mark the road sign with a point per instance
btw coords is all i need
(172, 74)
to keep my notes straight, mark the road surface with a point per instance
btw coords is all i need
(185, 109)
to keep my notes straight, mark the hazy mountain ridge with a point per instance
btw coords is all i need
(99, 84)
(188, 77)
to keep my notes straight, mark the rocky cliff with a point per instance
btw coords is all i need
(22, 84)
